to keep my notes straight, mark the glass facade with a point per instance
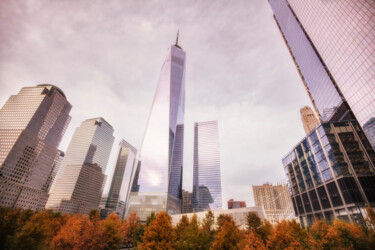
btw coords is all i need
(331, 173)
(206, 174)
(332, 45)
(157, 180)
(91, 145)
(119, 190)
(32, 124)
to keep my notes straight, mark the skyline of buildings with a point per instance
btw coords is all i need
(206, 172)
(157, 181)
(32, 124)
(79, 183)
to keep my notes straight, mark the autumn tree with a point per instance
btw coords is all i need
(112, 231)
(80, 232)
(318, 232)
(159, 234)
(228, 236)
(181, 225)
(191, 237)
(288, 235)
(130, 228)
(252, 242)
(253, 221)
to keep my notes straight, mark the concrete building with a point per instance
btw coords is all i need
(32, 124)
(79, 183)
(309, 120)
(275, 200)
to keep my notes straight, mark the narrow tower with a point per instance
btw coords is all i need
(157, 179)
(309, 119)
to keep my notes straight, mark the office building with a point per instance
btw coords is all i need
(32, 124)
(187, 202)
(331, 173)
(331, 43)
(116, 199)
(236, 204)
(79, 183)
(157, 180)
(276, 201)
(56, 165)
(309, 120)
(206, 172)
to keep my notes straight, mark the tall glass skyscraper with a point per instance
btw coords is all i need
(206, 174)
(32, 124)
(116, 199)
(332, 45)
(157, 179)
(79, 183)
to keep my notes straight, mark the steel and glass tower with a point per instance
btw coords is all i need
(206, 174)
(157, 180)
(116, 199)
(32, 124)
(79, 183)
(331, 43)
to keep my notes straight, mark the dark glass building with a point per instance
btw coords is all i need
(331, 173)
(331, 43)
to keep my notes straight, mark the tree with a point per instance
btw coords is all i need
(265, 230)
(253, 221)
(253, 242)
(159, 234)
(112, 232)
(130, 230)
(181, 226)
(228, 236)
(191, 238)
(370, 217)
(288, 234)
(79, 233)
(318, 232)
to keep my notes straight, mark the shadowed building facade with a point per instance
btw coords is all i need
(32, 124)
(115, 200)
(79, 183)
(206, 173)
(157, 180)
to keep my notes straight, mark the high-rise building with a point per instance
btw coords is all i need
(206, 173)
(32, 124)
(187, 202)
(157, 182)
(55, 169)
(116, 199)
(236, 204)
(331, 43)
(331, 173)
(309, 119)
(276, 201)
(79, 183)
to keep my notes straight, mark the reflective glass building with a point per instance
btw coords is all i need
(157, 179)
(332, 45)
(206, 173)
(116, 199)
(32, 124)
(79, 183)
(331, 173)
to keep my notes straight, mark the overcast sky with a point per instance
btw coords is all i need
(107, 55)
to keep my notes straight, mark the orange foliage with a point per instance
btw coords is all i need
(128, 227)
(228, 236)
(253, 242)
(288, 235)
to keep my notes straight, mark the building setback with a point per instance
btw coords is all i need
(157, 180)
(79, 183)
(206, 173)
(115, 200)
(331, 173)
(187, 202)
(32, 124)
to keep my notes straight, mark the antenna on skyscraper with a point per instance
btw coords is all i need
(178, 32)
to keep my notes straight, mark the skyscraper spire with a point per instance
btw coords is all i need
(178, 33)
